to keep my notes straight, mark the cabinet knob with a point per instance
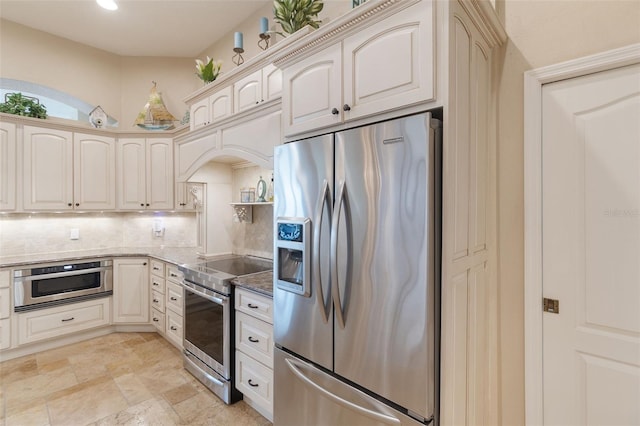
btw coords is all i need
(144, 264)
(141, 204)
(147, 204)
(346, 107)
(69, 204)
(335, 111)
(77, 204)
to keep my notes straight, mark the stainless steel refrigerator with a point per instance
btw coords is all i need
(356, 276)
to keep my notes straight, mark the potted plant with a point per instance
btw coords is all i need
(19, 104)
(208, 71)
(293, 15)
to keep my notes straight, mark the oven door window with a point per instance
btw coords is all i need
(49, 286)
(204, 325)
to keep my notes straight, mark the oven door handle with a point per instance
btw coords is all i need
(62, 274)
(218, 300)
(207, 375)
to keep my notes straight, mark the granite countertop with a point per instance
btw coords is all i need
(261, 283)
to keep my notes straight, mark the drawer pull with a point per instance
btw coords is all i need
(252, 306)
(255, 385)
(156, 301)
(156, 268)
(156, 284)
(68, 319)
(252, 340)
(173, 298)
(156, 320)
(173, 328)
(173, 275)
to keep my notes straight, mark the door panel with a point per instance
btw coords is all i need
(591, 247)
(301, 169)
(385, 260)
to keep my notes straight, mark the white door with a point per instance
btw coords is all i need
(94, 174)
(591, 248)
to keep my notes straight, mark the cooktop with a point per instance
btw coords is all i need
(216, 274)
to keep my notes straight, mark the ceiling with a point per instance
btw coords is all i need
(166, 28)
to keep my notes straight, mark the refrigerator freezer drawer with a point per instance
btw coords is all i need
(303, 392)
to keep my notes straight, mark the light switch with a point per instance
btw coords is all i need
(74, 234)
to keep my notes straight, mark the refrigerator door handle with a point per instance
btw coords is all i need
(335, 223)
(295, 367)
(324, 309)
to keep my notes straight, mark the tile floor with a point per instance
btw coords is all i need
(117, 379)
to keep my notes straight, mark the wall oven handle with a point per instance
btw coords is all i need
(214, 299)
(317, 279)
(63, 274)
(295, 367)
(207, 375)
(335, 223)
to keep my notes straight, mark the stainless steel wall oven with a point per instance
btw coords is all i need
(44, 285)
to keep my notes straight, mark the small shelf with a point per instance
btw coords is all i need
(244, 211)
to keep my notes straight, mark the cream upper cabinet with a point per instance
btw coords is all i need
(8, 161)
(382, 67)
(131, 290)
(260, 86)
(390, 64)
(247, 92)
(312, 91)
(214, 108)
(145, 174)
(48, 169)
(63, 171)
(94, 172)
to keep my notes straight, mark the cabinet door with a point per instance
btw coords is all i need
(131, 290)
(94, 172)
(312, 92)
(131, 173)
(391, 63)
(8, 159)
(220, 105)
(160, 174)
(247, 92)
(48, 169)
(199, 114)
(271, 82)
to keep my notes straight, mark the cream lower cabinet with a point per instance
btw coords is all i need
(254, 350)
(5, 309)
(144, 175)
(384, 66)
(8, 169)
(167, 301)
(131, 290)
(42, 324)
(67, 171)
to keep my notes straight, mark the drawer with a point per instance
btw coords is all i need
(5, 303)
(255, 381)
(5, 333)
(174, 297)
(157, 318)
(157, 300)
(174, 274)
(5, 278)
(157, 268)
(254, 304)
(174, 328)
(55, 322)
(157, 284)
(255, 338)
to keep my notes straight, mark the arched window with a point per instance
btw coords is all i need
(59, 104)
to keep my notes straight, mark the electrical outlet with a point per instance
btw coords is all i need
(74, 234)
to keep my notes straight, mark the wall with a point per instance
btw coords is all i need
(120, 85)
(540, 33)
(223, 48)
(45, 233)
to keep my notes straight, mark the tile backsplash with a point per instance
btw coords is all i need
(45, 233)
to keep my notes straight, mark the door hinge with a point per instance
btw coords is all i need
(551, 305)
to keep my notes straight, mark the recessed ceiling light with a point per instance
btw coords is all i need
(108, 4)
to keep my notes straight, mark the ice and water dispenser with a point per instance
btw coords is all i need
(292, 254)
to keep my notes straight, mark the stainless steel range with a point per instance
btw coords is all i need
(209, 319)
